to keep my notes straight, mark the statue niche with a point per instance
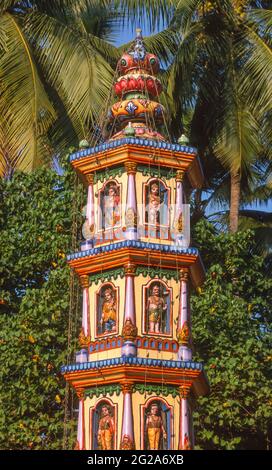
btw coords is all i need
(107, 309)
(157, 302)
(156, 203)
(103, 425)
(157, 426)
(110, 205)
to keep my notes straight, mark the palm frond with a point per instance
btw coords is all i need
(257, 69)
(258, 216)
(261, 17)
(73, 67)
(6, 4)
(150, 13)
(237, 144)
(25, 110)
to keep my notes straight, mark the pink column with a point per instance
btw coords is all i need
(85, 334)
(89, 224)
(80, 445)
(131, 202)
(129, 331)
(184, 427)
(178, 223)
(184, 326)
(127, 435)
(90, 203)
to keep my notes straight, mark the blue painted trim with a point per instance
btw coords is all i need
(131, 140)
(139, 361)
(133, 244)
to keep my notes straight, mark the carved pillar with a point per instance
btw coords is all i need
(80, 445)
(127, 434)
(184, 326)
(131, 202)
(178, 223)
(184, 430)
(90, 203)
(85, 334)
(88, 228)
(129, 331)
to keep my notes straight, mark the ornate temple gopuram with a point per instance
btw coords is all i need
(134, 375)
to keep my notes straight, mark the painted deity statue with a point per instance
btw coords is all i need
(154, 428)
(154, 204)
(156, 307)
(112, 206)
(105, 435)
(109, 308)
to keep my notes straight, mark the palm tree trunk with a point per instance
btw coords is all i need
(235, 189)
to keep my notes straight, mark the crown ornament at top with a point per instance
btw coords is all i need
(137, 113)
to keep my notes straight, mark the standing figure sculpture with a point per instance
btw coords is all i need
(109, 308)
(155, 431)
(105, 436)
(154, 204)
(112, 206)
(156, 308)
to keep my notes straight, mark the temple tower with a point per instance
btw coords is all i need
(134, 375)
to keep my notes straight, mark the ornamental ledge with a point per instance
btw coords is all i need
(134, 141)
(139, 361)
(133, 244)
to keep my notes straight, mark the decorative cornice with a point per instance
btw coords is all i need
(156, 172)
(158, 390)
(106, 390)
(153, 272)
(142, 342)
(139, 361)
(108, 174)
(133, 244)
(84, 281)
(107, 275)
(149, 389)
(133, 141)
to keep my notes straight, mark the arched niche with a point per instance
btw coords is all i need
(157, 315)
(156, 425)
(103, 425)
(156, 203)
(109, 205)
(106, 310)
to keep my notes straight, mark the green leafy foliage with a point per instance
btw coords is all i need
(35, 235)
(231, 323)
(232, 318)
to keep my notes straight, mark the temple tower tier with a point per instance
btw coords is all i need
(134, 373)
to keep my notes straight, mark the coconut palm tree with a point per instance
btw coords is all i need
(221, 71)
(54, 74)
(225, 46)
